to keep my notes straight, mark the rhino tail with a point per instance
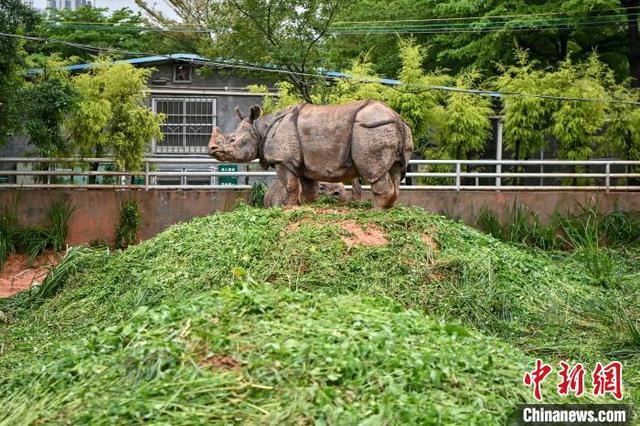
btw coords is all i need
(406, 147)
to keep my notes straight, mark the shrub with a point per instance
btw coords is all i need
(258, 191)
(129, 224)
(7, 235)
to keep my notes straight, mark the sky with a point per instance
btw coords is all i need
(117, 4)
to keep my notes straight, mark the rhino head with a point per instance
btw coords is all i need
(242, 145)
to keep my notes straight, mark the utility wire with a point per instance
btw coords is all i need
(457, 18)
(479, 27)
(332, 76)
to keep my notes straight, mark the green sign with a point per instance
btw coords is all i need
(228, 180)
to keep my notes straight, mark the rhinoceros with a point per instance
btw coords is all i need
(332, 143)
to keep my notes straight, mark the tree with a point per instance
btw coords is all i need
(15, 18)
(525, 117)
(92, 26)
(576, 125)
(467, 124)
(482, 34)
(111, 117)
(44, 104)
(281, 33)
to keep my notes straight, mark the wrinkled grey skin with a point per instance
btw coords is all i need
(331, 143)
(276, 195)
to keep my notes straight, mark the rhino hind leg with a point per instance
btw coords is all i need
(291, 185)
(384, 192)
(309, 192)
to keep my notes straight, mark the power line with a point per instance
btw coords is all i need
(334, 76)
(462, 31)
(475, 27)
(457, 18)
(612, 20)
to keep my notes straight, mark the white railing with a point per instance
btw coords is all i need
(458, 175)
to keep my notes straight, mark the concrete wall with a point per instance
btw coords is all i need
(96, 211)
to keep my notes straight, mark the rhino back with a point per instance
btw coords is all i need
(325, 137)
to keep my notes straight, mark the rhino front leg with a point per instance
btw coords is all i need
(291, 185)
(309, 190)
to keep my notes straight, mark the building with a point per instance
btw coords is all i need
(192, 104)
(66, 4)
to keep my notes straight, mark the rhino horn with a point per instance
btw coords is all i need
(255, 113)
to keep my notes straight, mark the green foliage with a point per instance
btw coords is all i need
(587, 228)
(468, 125)
(286, 96)
(284, 33)
(34, 240)
(258, 192)
(525, 118)
(179, 321)
(111, 116)
(575, 125)
(58, 219)
(73, 261)
(96, 26)
(586, 233)
(454, 45)
(287, 345)
(520, 225)
(463, 276)
(45, 103)
(128, 225)
(8, 226)
(423, 110)
(15, 18)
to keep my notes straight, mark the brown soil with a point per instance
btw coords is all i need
(372, 236)
(222, 362)
(340, 210)
(19, 274)
(429, 242)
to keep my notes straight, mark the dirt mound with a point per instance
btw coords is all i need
(221, 362)
(372, 236)
(18, 273)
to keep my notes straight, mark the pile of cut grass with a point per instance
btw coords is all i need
(547, 305)
(256, 354)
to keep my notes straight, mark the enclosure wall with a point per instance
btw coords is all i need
(96, 212)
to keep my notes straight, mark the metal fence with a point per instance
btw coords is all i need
(457, 175)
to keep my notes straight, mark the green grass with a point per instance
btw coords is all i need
(34, 240)
(265, 355)
(522, 302)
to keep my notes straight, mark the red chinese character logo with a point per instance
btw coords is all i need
(536, 377)
(572, 380)
(608, 379)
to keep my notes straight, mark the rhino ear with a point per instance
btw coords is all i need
(255, 113)
(239, 113)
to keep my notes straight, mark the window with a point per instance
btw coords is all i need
(182, 74)
(188, 124)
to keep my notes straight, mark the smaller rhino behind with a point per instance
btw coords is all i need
(276, 194)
